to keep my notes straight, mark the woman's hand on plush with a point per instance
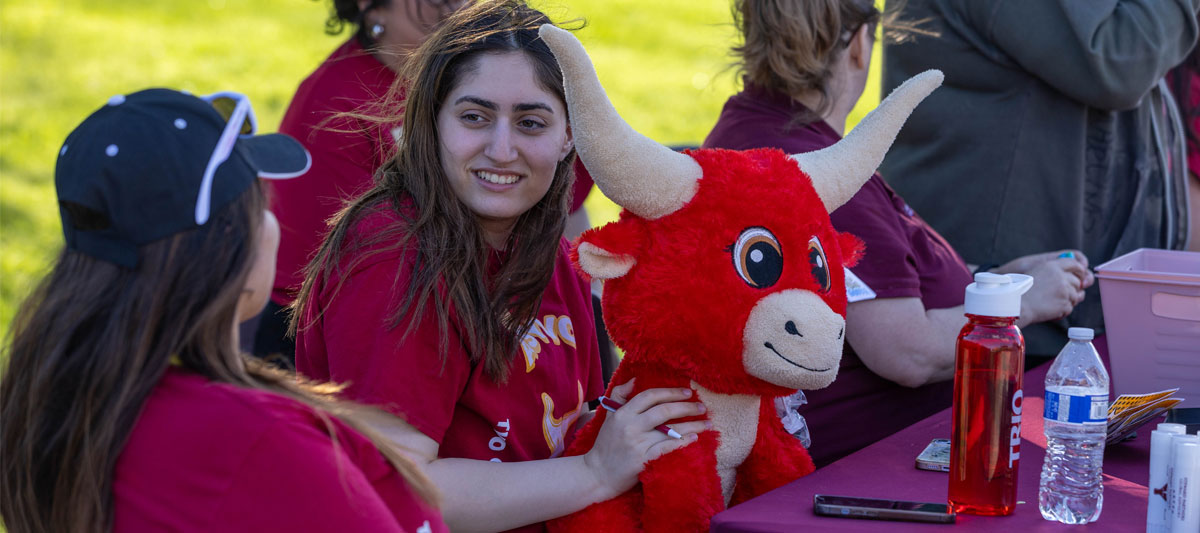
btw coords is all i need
(629, 438)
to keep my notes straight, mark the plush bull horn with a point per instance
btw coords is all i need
(632, 170)
(838, 171)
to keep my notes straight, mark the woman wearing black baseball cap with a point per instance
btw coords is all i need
(125, 404)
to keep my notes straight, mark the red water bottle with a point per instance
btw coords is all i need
(985, 447)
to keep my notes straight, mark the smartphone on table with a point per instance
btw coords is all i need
(878, 509)
(936, 456)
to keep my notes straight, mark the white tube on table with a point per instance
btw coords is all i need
(1173, 489)
(1160, 456)
(1185, 485)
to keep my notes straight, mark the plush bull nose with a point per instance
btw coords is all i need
(790, 327)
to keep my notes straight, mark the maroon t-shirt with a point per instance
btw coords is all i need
(904, 258)
(345, 154)
(206, 456)
(347, 339)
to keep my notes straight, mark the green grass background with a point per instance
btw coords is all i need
(664, 63)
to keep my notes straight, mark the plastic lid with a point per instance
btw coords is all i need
(1083, 334)
(1168, 427)
(996, 294)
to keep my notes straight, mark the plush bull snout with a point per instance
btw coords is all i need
(793, 339)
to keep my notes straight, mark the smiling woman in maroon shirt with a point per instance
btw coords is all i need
(445, 294)
(805, 65)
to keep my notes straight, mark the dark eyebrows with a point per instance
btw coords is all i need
(478, 101)
(488, 104)
(530, 107)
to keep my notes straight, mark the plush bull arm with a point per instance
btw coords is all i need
(777, 458)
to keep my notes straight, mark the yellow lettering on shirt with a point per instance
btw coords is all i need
(550, 329)
(555, 428)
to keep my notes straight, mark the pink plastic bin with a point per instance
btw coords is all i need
(1152, 318)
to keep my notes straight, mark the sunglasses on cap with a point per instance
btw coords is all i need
(226, 103)
(239, 120)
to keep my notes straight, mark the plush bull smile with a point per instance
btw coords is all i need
(772, 348)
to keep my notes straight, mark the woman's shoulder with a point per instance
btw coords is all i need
(182, 398)
(379, 228)
(214, 426)
(566, 273)
(201, 445)
(346, 79)
(758, 118)
(379, 216)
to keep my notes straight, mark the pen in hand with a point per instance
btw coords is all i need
(613, 405)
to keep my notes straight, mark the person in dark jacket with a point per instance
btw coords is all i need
(1053, 130)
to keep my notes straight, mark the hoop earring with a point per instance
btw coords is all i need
(376, 31)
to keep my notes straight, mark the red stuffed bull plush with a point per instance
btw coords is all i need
(725, 275)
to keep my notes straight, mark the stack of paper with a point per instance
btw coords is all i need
(1131, 411)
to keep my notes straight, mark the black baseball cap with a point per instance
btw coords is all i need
(151, 164)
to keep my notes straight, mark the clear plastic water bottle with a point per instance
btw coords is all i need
(1076, 416)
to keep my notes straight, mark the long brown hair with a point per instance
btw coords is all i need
(450, 257)
(94, 339)
(789, 46)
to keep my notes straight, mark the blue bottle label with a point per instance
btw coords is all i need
(1076, 409)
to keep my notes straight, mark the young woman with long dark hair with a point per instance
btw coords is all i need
(125, 405)
(446, 295)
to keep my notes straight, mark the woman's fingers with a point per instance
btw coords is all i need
(689, 428)
(651, 397)
(1073, 267)
(621, 392)
(663, 413)
(669, 445)
(630, 437)
(1088, 280)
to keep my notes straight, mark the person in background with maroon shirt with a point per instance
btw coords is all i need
(346, 149)
(446, 294)
(126, 405)
(805, 65)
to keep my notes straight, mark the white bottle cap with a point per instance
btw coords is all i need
(996, 294)
(1171, 427)
(1083, 334)
(1184, 437)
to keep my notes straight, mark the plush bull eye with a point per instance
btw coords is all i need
(820, 266)
(758, 257)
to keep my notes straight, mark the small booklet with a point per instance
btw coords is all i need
(1131, 411)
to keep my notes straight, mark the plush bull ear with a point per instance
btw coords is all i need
(610, 251)
(852, 249)
(599, 263)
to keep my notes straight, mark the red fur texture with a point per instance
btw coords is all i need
(680, 314)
